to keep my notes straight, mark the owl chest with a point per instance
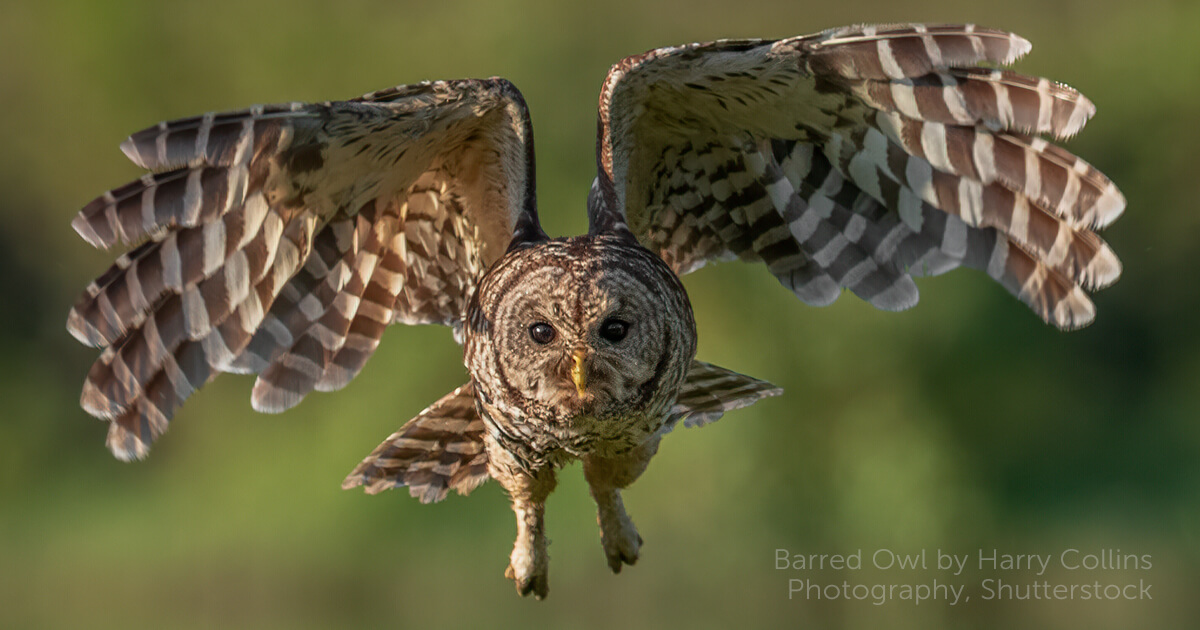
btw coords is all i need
(538, 441)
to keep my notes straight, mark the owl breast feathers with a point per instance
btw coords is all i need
(283, 240)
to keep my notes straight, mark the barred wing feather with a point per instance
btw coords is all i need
(282, 240)
(855, 159)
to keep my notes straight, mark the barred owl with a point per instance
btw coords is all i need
(282, 240)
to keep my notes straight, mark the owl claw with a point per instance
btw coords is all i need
(537, 584)
(623, 547)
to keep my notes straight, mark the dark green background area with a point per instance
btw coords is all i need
(964, 423)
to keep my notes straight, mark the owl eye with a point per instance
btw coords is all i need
(542, 332)
(614, 329)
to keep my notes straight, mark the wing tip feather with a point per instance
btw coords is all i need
(84, 229)
(130, 149)
(1074, 311)
(1104, 269)
(125, 445)
(353, 480)
(95, 402)
(902, 295)
(83, 331)
(1109, 207)
(273, 400)
(1019, 48)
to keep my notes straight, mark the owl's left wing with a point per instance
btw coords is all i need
(854, 159)
(283, 240)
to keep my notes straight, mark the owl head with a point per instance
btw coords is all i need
(587, 326)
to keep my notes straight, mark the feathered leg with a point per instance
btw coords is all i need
(529, 563)
(606, 476)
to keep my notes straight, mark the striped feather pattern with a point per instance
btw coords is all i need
(904, 51)
(375, 235)
(141, 384)
(862, 139)
(439, 450)
(710, 391)
(304, 298)
(375, 312)
(419, 271)
(743, 203)
(940, 242)
(303, 366)
(831, 235)
(970, 96)
(221, 276)
(125, 366)
(316, 319)
(123, 297)
(216, 139)
(442, 253)
(187, 197)
(1062, 185)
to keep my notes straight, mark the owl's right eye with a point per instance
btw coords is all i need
(542, 332)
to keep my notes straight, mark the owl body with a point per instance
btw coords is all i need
(283, 240)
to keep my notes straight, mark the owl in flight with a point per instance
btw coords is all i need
(282, 240)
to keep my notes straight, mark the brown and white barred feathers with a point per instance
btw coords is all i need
(860, 157)
(273, 240)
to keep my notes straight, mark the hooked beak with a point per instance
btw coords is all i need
(578, 372)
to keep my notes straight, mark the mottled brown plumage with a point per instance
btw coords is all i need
(283, 240)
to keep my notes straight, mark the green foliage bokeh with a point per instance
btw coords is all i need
(964, 423)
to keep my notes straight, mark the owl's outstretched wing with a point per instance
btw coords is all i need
(283, 239)
(857, 158)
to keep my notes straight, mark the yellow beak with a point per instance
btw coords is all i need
(578, 373)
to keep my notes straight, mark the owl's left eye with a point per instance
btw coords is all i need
(542, 332)
(614, 329)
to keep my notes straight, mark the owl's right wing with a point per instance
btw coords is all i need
(854, 159)
(284, 239)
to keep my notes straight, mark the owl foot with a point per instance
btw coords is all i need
(620, 540)
(528, 565)
(529, 581)
(605, 477)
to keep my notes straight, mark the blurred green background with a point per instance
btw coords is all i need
(964, 423)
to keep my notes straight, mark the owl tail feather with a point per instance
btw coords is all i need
(439, 450)
(710, 391)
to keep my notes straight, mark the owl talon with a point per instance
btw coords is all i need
(538, 584)
(623, 546)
